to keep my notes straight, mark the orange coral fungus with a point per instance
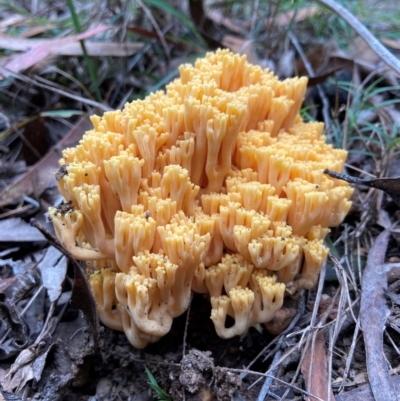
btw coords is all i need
(215, 185)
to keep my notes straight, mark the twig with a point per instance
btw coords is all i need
(310, 72)
(252, 372)
(349, 358)
(52, 239)
(376, 46)
(186, 326)
(269, 380)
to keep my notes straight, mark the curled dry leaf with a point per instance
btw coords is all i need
(389, 185)
(12, 326)
(53, 268)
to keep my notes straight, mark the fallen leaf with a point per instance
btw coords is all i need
(373, 316)
(74, 335)
(364, 393)
(17, 230)
(20, 370)
(28, 277)
(315, 369)
(150, 34)
(391, 186)
(40, 176)
(53, 267)
(36, 30)
(82, 296)
(6, 282)
(35, 140)
(11, 20)
(289, 17)
(15, 328)
(219, 18)
(112, 49)
(393, 43)
(7, 396)
(283, 317)
(38, 53)
(83, 299)
(57, 373)
(241, 46)
(335, 64)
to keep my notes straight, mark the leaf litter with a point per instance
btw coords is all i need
(323, 347)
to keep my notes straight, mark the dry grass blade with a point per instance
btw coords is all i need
(373, 314)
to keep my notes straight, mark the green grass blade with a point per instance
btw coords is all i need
(167, 8)
(88, 61)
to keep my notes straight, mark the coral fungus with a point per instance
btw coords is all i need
(215, 185)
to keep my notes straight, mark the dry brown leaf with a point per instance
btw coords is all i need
(315, 369)
(17, 230)
(20, 371)
(6, 282)
(219, 19)
(283, 317)
(36, 30)
(73, 49)
(240, 46)
(284, 19)
(38, 53)
(373, 316)
(364, 393)
(53, 267)
(11, 20)
(389, 185)
(39, 176)
(361, 51)
(394, 44)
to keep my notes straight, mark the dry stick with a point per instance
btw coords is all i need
(314, 314)
(304, 392)
(269, 380)
(310, 72)
(387, 57)
(349, 358)
(81, 298)
(337, 327)
(184, 339)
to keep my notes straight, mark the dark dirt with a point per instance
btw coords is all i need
(198, 373)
